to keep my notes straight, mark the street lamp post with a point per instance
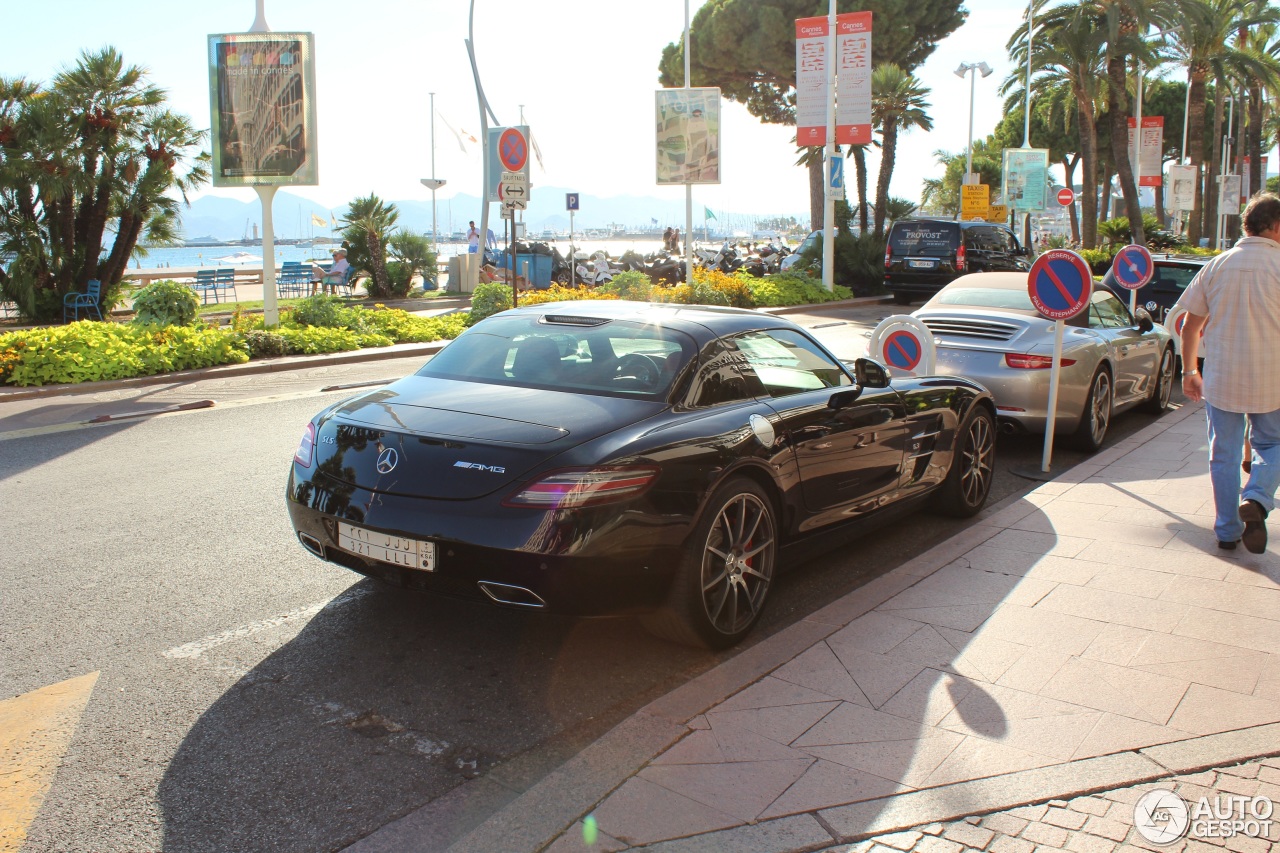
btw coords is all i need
(967, 68)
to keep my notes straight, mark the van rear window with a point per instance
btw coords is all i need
(924, 238)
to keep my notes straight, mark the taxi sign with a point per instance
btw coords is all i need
(1132, 267)
(975, 201)
(998, 212)
(1060, 284)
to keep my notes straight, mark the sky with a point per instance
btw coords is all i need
(581, 72)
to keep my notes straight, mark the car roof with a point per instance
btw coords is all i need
(719, 320)
(963, 223)
(997, 280)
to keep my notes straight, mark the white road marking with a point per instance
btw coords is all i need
(199, 647)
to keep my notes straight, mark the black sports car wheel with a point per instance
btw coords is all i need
(902, 298)
(1096, 417)
(725, 574)
(1162, 386)
(965, 490)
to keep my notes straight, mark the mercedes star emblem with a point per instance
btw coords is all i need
(387, 460)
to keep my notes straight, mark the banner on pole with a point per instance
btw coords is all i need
(811, 81)
(1026, 178)
(1246, 173)
(1182, 183)
(262, 97)
(688, 133)
(853, 78)
(1151, 147)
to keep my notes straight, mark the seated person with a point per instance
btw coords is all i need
(490, 273)
(335, 273)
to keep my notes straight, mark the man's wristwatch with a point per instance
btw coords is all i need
(1190, 373)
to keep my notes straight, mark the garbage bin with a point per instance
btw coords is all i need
(535, 268)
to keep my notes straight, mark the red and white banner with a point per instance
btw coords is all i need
(1246, 171)
(1150, 161)
(853, 79)
(811, 81)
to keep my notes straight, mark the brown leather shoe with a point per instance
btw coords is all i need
(1228, 546)
(1255, 526)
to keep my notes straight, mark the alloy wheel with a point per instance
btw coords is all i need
(1100, 411)
(977, 459)
(737, 563)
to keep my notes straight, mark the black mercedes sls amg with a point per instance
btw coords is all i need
(608, 457)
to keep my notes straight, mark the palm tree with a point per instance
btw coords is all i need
(369, 221)
(1202, 41)
(1069, 49)
(897, 102)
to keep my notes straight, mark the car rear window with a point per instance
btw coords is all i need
(987, 238)
(983, 297)
(574, 357)
(1172, 276)
(924, 238)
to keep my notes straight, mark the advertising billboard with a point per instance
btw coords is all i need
(688, 134)
(853, 79)
(1026, 178)
(1150, 150)
(262, 99)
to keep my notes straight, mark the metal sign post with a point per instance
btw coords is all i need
(1060, 284)
(571, 204)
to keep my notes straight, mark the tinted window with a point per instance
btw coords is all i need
(724, 376)
(1175, 277)
(787, 362)
(614, 358)
(924, 238)
(986, 238)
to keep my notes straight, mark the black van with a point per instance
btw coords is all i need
(922, 255)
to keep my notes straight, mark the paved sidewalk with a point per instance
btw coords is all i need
(1085, 638)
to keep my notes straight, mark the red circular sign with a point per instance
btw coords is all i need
(1066, 196)
(1060, 284)
(513, 151)
(902, 349)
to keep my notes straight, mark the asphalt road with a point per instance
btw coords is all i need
(250, 697)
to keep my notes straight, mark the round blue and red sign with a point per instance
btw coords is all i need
(902, 349)
(1060, 284)
(1133, 267)
(513, 151)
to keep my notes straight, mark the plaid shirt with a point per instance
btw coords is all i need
(1239, 291)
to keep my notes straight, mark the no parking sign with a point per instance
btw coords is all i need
(1060, 284)
(1133, 267)
(904, 344)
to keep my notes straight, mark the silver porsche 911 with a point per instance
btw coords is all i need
(986, 329)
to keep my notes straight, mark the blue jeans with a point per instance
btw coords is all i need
(1226, 452)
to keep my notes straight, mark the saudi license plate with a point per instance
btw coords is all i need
(922, 265)
(387, 548)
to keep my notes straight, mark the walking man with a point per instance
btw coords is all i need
(1235, 301)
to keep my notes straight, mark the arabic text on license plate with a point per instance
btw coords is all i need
(921, 265)
(385, 548)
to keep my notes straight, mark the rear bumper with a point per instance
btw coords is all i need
(560, 562)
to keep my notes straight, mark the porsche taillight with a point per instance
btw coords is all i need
(581, 487)
(888, 255)
(960, 258)
(306, 447)
(1023, 361)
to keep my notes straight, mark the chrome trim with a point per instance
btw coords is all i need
(489, 587)
(312, 544)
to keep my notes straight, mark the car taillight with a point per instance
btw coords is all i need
(306, 447)
(888, 255)
(960, 256)
(1033, 362)
(572, 488)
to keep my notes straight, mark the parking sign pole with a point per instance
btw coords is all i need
(1054, 371)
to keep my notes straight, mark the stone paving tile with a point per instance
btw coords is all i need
(1120, 690)
(1040, 543)
(819, 669)
(1115, 608)
(1220, 595)
(878, 676)
(783, 724)
(957, 584)
(641, 812)
(909, 762)
(1169, 560)
(1115, 733)
(1079, 825)
(1060, 632)
(827, 784)
(1207, 709)
(1027, 564)
(1071, 527)
(1143, 583)
(770, 692)
(743, 790)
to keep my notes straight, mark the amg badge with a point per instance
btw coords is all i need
(476, 466)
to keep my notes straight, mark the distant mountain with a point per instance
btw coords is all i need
(233, 219)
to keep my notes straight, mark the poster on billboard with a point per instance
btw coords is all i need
(1151, 149)
(853, 78)
(1026, 178)
(1182, 187)
(688, 132)
(811, 81)
(262, 90)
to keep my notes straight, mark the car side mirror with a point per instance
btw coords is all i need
(1023, 250)
(844, 399)
(870, 374)
(1145, 323)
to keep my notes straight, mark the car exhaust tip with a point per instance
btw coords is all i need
(514, 596)
(312, 544)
